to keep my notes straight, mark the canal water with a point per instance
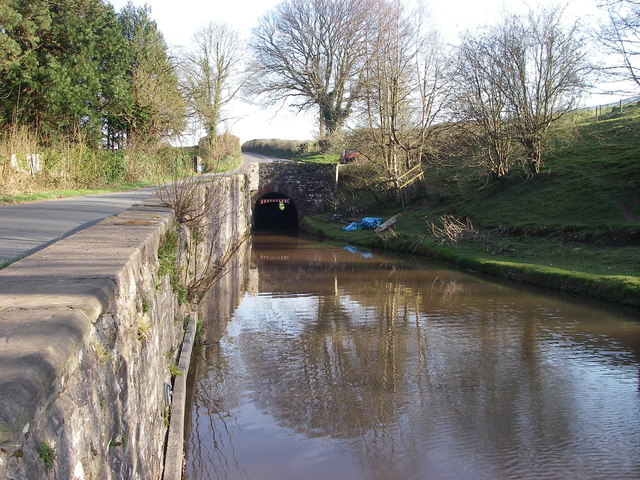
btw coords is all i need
(334, 363)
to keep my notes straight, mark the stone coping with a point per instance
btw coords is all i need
(174, 459)
(49, 302)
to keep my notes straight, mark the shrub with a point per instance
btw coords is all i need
(113, 166)
(47, 454)
(279, 148)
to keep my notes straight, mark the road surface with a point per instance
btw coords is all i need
(259, 158)
(28, 227)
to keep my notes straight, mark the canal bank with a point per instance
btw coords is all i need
(624, 289)
(91, 330)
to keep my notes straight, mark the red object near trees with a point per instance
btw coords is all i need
(349, 156)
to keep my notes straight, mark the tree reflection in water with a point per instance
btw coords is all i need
(211, 440)
(341, 366)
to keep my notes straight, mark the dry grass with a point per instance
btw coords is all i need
(72, 164)
(451, 229)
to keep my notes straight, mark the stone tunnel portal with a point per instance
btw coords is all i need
(275, 211)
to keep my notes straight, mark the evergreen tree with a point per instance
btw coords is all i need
(157, 110)
(22, 23)
(82, 67)
(64, 72)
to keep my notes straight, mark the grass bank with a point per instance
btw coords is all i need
(80, 171)
(582, 270)
(317, 157)
(589, 186)
(574, 227)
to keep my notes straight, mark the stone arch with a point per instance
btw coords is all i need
(309, 186)
(274, 210)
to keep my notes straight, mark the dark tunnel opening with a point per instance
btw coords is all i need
(275, 211)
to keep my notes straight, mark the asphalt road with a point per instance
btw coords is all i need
(259, 158)
(28, 227)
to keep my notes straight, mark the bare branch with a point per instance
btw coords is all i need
(211, 74)
(404, 92)
(311, 53)
(452, 230)
(621, 38)
(519, 78)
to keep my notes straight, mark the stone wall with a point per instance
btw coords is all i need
(311, 186)
(88, 332)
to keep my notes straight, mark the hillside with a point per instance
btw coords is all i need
(574, 227)
(589, 185)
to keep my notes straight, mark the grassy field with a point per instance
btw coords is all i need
(317, 157)
(574, 227)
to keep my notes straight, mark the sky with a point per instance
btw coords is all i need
(178, 20)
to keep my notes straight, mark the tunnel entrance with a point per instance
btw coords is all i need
(275, 211)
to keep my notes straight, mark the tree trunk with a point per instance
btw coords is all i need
(533, 155)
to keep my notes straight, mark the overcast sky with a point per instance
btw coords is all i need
(179, 19)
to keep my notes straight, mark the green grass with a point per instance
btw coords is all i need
(605, 273)
(591, 182)
(523, 249)
(311, 157)
(317, 157)
(596, 260)
(228, 163)
(575, 227)
(46, 454)
(6, 263)
(53, 194)
(168, 262)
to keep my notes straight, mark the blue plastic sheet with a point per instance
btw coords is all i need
(367, 223)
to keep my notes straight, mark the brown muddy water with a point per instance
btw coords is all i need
(339, 364)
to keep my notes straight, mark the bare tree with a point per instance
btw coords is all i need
(311, 53)
(211, 74)
(404, 92)
(545, 71)
(524, 75)
(482, 106)
(621, 37)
